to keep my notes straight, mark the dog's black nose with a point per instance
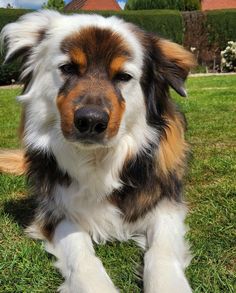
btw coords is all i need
(91, 120)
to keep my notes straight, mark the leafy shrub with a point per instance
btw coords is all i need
(9, 72)
(221, 26)
(190, 5)
(182, 5)
(228, 57)
(208, 32)
(166, 23)
(54, 4)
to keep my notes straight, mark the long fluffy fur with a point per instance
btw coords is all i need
(12, 161)
(128, 183)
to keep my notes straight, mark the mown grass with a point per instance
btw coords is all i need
(210, 191)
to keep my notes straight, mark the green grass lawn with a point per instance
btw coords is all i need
(210, 191)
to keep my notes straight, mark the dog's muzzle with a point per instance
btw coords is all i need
(90, 122)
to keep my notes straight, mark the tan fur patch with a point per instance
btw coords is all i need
(79, 57)
(177, 54)
(135, 206)
(13, 162)
(117, 65)
(116, 114)
(66, 109)
(173, 148)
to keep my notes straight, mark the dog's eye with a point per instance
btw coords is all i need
(68, 69)
(122, 76)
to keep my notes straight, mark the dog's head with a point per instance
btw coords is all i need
(92, 79)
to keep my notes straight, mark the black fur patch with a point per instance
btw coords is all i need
(23, 54)
(155, 89)
(143, 186)
(43, 175)
(23, 51)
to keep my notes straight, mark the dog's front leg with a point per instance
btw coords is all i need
(167, 254)
(82, 270)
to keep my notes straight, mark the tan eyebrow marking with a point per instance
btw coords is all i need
(117, 65)
(79, 57)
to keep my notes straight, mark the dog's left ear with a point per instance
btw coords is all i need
(20, 37)
(173, 63)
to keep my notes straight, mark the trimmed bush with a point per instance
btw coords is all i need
(10, 15)
(182, 5)
(9, 72)
(228, 57)
(221, 26)
(208, 32)
(166, 23)
(191, 5)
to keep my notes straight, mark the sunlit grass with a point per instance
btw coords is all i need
(210, 191)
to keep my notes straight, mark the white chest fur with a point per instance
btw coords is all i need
(95, 174)
(99, 218)
(102, 220)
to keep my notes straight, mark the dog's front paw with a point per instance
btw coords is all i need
(176, 285)
(63, 288)
(76, 286)
(165, 277)
(168, 285)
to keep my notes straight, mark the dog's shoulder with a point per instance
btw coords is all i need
(154, 173)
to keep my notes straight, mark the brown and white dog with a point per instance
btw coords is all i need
(104, 147)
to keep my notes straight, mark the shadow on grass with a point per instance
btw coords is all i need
(21, 210)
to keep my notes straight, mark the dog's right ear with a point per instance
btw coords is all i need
(18, 38)
(174, 65)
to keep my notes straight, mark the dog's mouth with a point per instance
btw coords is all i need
(87, 143)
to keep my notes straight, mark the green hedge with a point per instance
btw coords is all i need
(167, 23)
(10, 15)
(221, 26)
(182, 5)
(9, 72)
